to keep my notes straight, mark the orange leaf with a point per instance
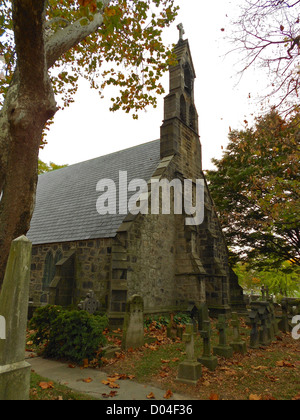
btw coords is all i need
(46, 385)
(214, 397)
(254, 397)
(151, 396)
(87, 380)
(168, 394)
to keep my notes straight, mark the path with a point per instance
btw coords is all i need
(73, 378)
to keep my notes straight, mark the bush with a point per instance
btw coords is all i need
(73, 335)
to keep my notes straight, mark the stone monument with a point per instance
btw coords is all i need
(223, 349)
(14, 298)
(133, 329)
(190, 370)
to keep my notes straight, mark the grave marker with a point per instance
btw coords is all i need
(211, 362)
(190, 370)
(238, 345)
(133, 330)
(14, 297)
(223, 349)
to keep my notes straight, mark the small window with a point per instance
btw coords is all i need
(192, 117)
(188, 79)
(182, 109)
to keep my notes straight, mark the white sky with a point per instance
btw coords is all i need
(87, 129)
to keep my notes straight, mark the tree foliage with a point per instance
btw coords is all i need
(130, 37)
(283, 281)
(44, 167)
(267, 34)
(256, 190)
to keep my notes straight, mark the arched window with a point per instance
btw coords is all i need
(58, 256)
(192, 117)
(49, 270)
(182, 109)
(188, 79)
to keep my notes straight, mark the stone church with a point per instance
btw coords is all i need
(172, 265)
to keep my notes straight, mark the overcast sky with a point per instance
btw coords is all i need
(87, 129)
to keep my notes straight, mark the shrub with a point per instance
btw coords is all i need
(73, 335)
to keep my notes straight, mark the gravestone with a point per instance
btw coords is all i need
(223, 349)
(133, 329)
(90, 303)
(284, 324)
(262, 311)
(14, 297)
(171, 328)
(238, 345)
(190, 370)
(203, 315)
(209, 361)
(254, 322)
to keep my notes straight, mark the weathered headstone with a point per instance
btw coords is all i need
(284, 324)
(203, 315)
(190, 370)
(238, 345)
(90, 303)
(14, 297)
(211, 362)
(223, 349)
(133, 329)
(255, 324)
(171, 328)
(266, 332)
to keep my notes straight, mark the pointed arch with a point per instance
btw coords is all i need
(49, 270)
(183, 109)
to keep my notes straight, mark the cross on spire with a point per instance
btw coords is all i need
(181, 31)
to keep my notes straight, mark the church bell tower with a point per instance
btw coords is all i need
(180, 131)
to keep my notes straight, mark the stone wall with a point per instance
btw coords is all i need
(92, 269)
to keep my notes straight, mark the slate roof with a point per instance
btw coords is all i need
(66, 198)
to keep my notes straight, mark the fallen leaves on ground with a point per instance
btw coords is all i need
(87, 380)
(254, 397)
(214, 397)
(110, 395)
(151, 396)
(283, 363)
(46, 385)
(168, 394)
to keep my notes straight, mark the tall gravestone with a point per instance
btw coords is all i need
(190, 370)
(14, 297)
(207, 359)
(238, 345)
(222, 349)
(133, 329)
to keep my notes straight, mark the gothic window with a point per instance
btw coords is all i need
(58, 256)
(182, 109)
(49, 270)
(188, 79)
(192, 117)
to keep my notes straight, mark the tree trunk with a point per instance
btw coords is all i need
(23, 126)
(28, 105)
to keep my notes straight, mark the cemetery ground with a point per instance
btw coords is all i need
(267, 373)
